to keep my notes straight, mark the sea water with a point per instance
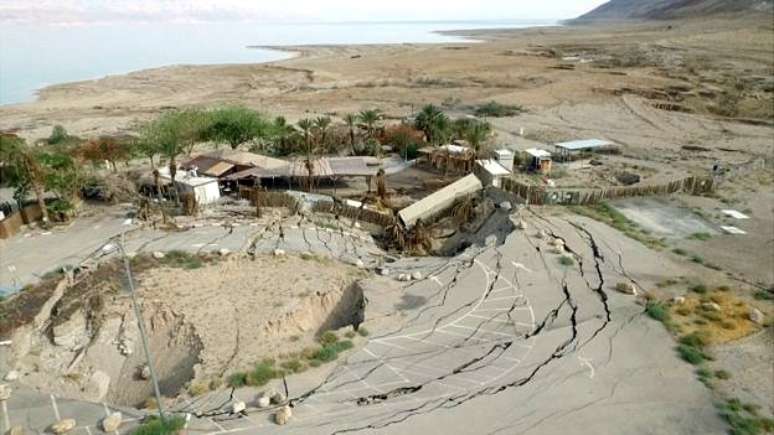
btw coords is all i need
(35, 56)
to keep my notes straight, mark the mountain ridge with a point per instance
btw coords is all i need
(674, 9)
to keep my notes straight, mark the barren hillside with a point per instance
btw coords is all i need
(671, 9)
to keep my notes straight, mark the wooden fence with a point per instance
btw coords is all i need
(542, 195)
(356, 213)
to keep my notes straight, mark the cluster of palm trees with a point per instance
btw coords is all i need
(439, 128)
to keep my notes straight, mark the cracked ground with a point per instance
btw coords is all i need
(499, 339)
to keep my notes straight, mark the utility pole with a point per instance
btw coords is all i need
(141, 326)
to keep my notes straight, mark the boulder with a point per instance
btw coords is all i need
(145, 372)
(112, 422)
(12, 376)
(72, 333)
(627, 288)
(359, 264)
(279, 252)
(16, 430)
(711, 306)
(383, 271)
(756, 316)
(238, 406)
(277, 398)
(404, 277)
(158, 255)
(263, 400)
(416, 275)
(506, 205)
(542, 234)
(678, 300)
(223, 252)
(282, 416)
(357, 224)
(63, 426)
(5, 392)
(490, 240)
(521, 225)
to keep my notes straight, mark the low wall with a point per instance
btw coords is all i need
(268, 199)
(542, 195)
(356, 213)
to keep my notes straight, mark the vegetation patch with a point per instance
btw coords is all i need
(155, 426)
(744, 418)
(716, 315)
(700, 236)
(494, 109)
(181, 259)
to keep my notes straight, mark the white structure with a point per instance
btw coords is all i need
(439, 200)
(505, 158)
(204, 189)
(491, 172)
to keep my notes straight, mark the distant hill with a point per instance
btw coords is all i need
(672, 9)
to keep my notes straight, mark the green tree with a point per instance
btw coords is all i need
(321, 125)
(434, 123)
(25, 171)
(237, 125)
(58, 135)
(369, 121)
(284, 136)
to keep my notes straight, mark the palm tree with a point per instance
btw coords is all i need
(369, 120)
(306, 126)
(433, 122)
(321, 124)
(351, 120)
(477, 133)
(28, 171)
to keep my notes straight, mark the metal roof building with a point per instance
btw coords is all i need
(581, 145)
(439, 200)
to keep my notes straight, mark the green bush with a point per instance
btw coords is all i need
(497, 110)
(341, 346)
(694, 340)
(363, 332)
(155, 426)
(699, 288)
(701, 236)
(261, 375)
(181, 259)
(326, 354)
(327, 338)
(237, 380)
(657, 311)
(744, 419)
(690, 354)
(566, 260)
(680, 251)
(722, 374)
(293, 366)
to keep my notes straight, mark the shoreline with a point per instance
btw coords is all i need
(293, 51)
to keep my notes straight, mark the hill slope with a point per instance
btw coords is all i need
(670, 9)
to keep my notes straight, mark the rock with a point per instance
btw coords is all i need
(12, 376)
(5, 392)
(416, 276)
(16, 430)
(145, 372)
(223, 252)
(72, 333)
(357, 224)
(710, 306)
(112, 422)
(506, 205)
(158, 255)
(756, 316)
(277, 398)
(63, 426)
(490, 240)
(282, 416)
(263, 401)
(542, 234)
(521, 225)
(383, 271)
(279, 252)
(558, 243)
(404, 277)
(678, 300)
(627, 288)
(238, 407)
(359, 264)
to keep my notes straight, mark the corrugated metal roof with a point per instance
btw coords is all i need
(583, 144)
(246, 158)
(439, 200)
(537, 152)
(351, 166)
(183, 177)
(218, 169)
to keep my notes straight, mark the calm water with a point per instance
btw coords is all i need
(32, 57)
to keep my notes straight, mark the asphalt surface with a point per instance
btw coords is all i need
(499, 339)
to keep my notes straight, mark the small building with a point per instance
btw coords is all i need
(505, 158)
(538, 160)
(438, 201)
(205, 189)
(490, 172)
(569, 150)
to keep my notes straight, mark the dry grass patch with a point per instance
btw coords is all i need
(730, 323)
